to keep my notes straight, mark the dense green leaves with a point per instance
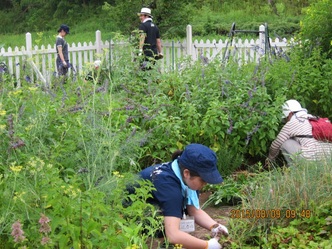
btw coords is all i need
(64, 150)
(316, 28)
(208, 17)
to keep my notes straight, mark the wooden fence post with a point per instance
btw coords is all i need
(262, 41)
(98, 41)
(173, 56)
(28, 47)
(40, 76)
(189, 40)
(28, 42)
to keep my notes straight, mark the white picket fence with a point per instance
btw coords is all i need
(82, 55)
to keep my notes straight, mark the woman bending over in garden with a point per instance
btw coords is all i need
(295, 140)
(176, 186)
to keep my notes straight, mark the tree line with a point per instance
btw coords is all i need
(19, 16)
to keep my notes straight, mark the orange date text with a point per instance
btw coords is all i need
(269, 213)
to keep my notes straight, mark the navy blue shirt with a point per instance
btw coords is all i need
(168, 194)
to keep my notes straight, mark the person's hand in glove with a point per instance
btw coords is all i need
(217, 230)
(213, 244)
(64, 64)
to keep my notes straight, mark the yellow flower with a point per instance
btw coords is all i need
(71, 191)
(28, 128)
(16, 168)
(18, 195)
(2, 128)
(36, 165)
(134, 246)
(18, 92)
(2, 112)
(33, 89)
(117, 174)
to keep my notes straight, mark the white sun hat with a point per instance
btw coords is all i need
(289, 106)
(145, 11)
(97, 63)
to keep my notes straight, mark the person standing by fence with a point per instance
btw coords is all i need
(62, 61)
(149, 42)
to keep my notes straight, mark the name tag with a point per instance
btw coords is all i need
(187, 224)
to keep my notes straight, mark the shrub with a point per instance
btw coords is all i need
(304, 78)
(71, 215)
(316, 26)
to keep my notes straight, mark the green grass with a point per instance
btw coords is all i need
(48, 37)
(299, 186)
(288, 208)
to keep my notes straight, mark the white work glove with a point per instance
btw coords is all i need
(64, 64)
(140, 52)
(213, 244)
(217, 230)
(160, 56)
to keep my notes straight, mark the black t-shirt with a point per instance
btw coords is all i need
(61, 42)
(152, 34)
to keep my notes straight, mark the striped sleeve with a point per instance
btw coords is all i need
(291, 129)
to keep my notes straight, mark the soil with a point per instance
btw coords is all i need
(217, 213)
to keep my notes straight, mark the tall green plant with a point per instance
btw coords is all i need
(56, 213)
(302, 77)
(291, 193)
(316, 27)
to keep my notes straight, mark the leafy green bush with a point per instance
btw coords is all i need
(229, 161)
(227, 193)
(68, 215)
(208, 18)
(226, 109)
(311, 231)
(304, 78)
(232, 109)
(316, 26)
(62, 147)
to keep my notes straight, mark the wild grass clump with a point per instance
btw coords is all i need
(301, 186)
(294, 197)
(305, 185)
(65, 163)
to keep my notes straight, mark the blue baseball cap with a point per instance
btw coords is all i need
(202, 160)
(64, 27)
